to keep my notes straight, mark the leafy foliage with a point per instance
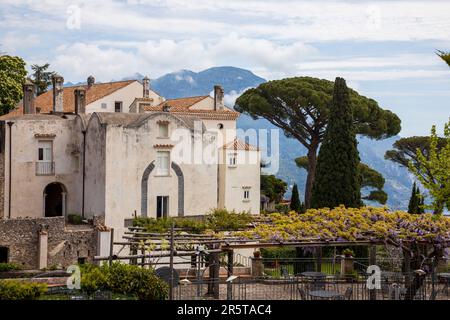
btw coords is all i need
(216, 220)
(405, 152)
(12, 76)
(300, 106)
(5, 266)
(273, 188)
(370, 178)
(278, 253)
(123, 279)
(436, 165)
(42, 78)
(337, 176)
(351, 224)
(444, 56)
(74, 218)
(416, 202)
(21, 290)
(296, 205)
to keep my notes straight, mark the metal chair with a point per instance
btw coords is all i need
(433, 295)
(348, 293)
(302, 293)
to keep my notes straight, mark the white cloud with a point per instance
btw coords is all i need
(11, 42)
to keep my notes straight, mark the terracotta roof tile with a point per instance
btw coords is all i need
(238, 144)
(45, 101)
(182, 106)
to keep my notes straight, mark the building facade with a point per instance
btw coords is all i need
(113, 151)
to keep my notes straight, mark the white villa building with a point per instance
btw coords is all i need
(118, 150)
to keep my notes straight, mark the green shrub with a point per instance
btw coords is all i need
(216, 219)
(9, 267)
(278, 253)
(92, 279)
(74, 218)
(123, 279)
(18, 290)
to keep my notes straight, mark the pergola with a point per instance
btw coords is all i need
(178, 242)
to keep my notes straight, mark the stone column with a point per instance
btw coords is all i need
(103, 241)
(43, 249)
(64, 204)
(257, 267)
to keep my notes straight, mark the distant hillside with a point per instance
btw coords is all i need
(234, 80)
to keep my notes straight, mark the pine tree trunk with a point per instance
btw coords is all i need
(312, 162)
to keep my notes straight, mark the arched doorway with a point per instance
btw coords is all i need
(55, 200)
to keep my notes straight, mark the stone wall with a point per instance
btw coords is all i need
(66, 244)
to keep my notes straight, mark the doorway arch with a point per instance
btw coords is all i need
(55, 196)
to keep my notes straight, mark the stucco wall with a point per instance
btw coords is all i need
(126, 95)
(125, 165)
(27, 187)
(235, 179)
(95, 168)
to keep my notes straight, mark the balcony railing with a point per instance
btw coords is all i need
(45, 168)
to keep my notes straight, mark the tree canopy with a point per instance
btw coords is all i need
(12, 76)
(296, 205)
(433, 169)
(337, 176)
(300, 106)
(444, 56)
(42, 78)
(370, 178)
(273, 188)
(416, 201)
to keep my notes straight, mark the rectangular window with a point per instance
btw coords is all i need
(162, 163)
(44, 163)
(232, 159)
(163, 130)
(45, 152)
(162, 206)
(104, 105)
(246, 194)
(118, 106)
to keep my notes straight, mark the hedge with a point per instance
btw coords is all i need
(19, 290)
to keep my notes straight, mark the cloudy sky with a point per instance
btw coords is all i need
(385, 49)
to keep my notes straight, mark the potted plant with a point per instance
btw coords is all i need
(347, 263)
(348, 253)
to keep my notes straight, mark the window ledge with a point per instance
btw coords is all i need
(246, 200)
(162, 175)
(232, 166)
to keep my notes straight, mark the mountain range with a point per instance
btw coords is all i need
(234, 80)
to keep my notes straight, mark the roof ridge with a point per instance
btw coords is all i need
(201, 96)
(98, 83)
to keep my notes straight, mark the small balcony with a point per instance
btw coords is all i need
(45, 168)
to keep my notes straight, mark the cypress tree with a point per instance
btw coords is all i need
(414, 201)
(295, 199)
(338, 181)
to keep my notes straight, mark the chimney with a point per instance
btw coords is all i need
(28, 97)
(80, 100)
(218, 97)
(58, 83)
(146, 87)
(90, 81)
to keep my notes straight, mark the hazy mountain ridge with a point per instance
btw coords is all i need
(186, 83)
